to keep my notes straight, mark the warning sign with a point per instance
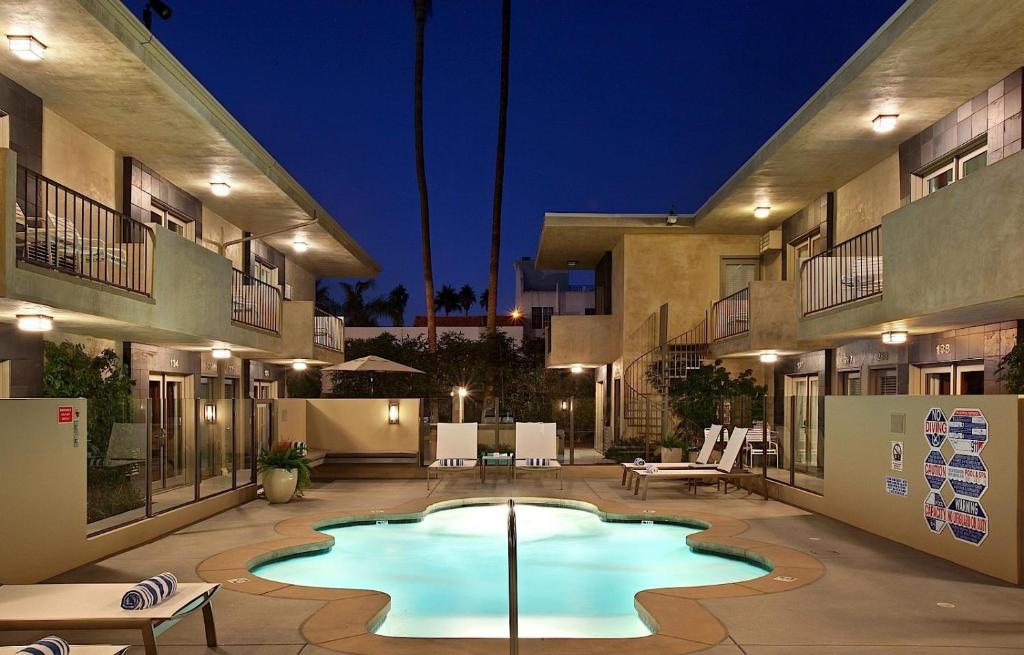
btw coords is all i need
(935, 512)
(65, 414)
(968, 430)
(897, 455)
(895, 486)
(935, 469)
(967, 520)
(935, 427)
(968, 475)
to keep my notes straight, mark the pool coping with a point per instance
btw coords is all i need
(345, 622)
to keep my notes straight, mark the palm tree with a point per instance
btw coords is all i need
(422, 10)
(396, 303)
(357, 310)
(499, 169)
(467, 298)
(484, 295)
(324, 300)
(447, 299)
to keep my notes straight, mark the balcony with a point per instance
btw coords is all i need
(309, 334)
(254, 302)
(763, 316)
(845, 273)
(589, 340)
(328, 331)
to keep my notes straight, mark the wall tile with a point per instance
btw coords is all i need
(1011, 148)
(963, 131)
(979, 123)
(1012, 102)
(964, 111)
(995, 92)
(1012, 81)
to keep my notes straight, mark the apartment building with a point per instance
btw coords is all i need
(871, 246)
(543, 294)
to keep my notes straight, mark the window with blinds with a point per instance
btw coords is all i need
(851, 383)
(885, 383)
(737, 274)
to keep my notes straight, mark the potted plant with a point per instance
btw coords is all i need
(671, 449)
(285, 471)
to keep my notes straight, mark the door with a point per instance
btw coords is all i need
(970, 379)
(937, 380)
(170, 453)
(805, 423)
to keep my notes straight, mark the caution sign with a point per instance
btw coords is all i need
(967, 430)
(967, 520)
(935, 427)
(935, 512)
(968, 475)
(896, 453)
(935, 469)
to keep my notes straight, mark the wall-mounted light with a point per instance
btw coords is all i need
(768, 357)
(762, 212)
(220, 189)
(210, 413)
(299, 365)
(35, 322)
(565, 405)
(221, 353)
(894, 337)
(884, 123)
(516, 314)
(576, 369)
(571, 263)
(299, 244)
(671, 219)
(26, 46)
(392, 412)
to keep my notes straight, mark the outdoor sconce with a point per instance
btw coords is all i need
(565, 405)
(768, 357)
(392, 412)
(210, 413)
(463, 392)
(221, 353)
(34, 323)
(576, 369)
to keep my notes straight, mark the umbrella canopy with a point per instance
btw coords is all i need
(371, 364)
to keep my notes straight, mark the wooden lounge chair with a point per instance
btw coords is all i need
(454, 441)
(537, 441)
(703, 457)
(722, 472)
(50, 607)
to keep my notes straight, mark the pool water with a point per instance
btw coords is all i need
(448, 574)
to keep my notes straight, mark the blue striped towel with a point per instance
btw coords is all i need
(299, 446)
(537, 461)
(47, 646)
(150, 592)
(639, 461)
(451, 462)
(651, 468)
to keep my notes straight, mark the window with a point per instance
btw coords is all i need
(885, 382)
(801, 250)
(264, 272)
(973, 161)
(162, 215)
(939, 179)
(540, 317)
(737, 274)
(851, 383)
(953, 169)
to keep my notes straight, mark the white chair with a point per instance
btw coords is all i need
(537, 441)
(756, 444)
(455, 441)
(722, 472)
(711, 436)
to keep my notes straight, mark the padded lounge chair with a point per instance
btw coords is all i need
(703, 457)
(454, 441)
(50, 607)
(537, 441)
(722, 472)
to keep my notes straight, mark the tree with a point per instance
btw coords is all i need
(356, 308)
(499, 169)
(396, 303)
(484, 295)
(422, 10)
(698, 399)
(447, 299)
(467, 298)
(325, 301)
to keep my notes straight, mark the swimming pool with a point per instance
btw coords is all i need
(447, 573)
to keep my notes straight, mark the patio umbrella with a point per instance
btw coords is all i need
(373, 364)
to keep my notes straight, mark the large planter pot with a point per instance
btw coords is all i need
(671, 455)
(279, 484)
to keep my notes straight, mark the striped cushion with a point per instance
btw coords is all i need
(651, 468)
(452, 462)
(299, 446)
(639, 461)
(150, 592)
(47, 646)
(537, 461)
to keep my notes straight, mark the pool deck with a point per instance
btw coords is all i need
(874, 596)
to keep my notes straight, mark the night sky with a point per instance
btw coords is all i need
(614, 106)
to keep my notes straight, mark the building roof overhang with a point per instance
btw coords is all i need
(580, 240)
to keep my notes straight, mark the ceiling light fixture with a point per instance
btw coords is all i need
(26, 46)
(762, 212)
(884, 123)
(576, 369)
(220, 189)
(769, 357)
(299, 365)
(221, 353)
(35, 322)
(299, 244)
(894, 337)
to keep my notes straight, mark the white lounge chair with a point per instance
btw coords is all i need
(454, 441)
(49, 607)
(756, 444)
(537, 441)
(703, 457)
(76, 649)
(722, 472)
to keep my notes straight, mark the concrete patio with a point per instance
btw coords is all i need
(876, 596)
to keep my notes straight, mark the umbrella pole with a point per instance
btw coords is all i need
(371, 385)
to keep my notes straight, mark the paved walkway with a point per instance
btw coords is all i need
(875, 597)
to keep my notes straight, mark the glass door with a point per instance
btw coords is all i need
(172, 465)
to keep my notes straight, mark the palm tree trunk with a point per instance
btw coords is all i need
(421, 7)
(499, 170)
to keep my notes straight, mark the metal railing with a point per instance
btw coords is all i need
(254, 302)
(731, 315)
(328, 330)
(63, 230)
(513, 581)
(849, 271)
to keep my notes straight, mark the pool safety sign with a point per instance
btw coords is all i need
(897, 456)
(895, 486)
(966, 433)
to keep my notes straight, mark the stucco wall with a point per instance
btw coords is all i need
(217, 230)
(587, 340)
(861, 203)
(303, 282)
(76, 160)
(352, 425)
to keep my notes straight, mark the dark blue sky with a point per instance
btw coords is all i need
(630, 106)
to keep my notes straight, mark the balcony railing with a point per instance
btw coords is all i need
(849, 271)
(732, 315)
(254, 302)
(328, 330)
(63, 230)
